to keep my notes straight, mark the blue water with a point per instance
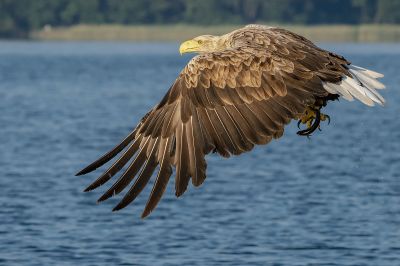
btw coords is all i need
(333, 199)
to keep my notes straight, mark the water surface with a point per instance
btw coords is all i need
(333, 199)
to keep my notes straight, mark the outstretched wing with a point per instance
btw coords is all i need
(225, 102)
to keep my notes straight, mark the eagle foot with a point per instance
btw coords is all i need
(312, 118)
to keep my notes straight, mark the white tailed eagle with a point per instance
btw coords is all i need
(240, 91)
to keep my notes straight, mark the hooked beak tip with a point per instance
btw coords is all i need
(187, 47)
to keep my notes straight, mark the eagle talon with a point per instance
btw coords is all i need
(329, 119)
(305, 132)
(312, 119)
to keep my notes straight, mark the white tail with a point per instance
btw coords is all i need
(362, 86)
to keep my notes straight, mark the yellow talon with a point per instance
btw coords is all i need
(324, 117)
(312, 118)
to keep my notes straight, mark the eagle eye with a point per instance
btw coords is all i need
(200, 42)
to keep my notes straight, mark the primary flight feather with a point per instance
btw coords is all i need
(240, 91)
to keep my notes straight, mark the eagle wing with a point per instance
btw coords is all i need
(224, 102)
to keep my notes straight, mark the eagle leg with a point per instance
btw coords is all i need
(313, 120)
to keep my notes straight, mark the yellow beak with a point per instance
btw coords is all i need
(189, 46)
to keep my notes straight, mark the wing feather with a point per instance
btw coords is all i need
(116, 166)
(220, 129)
(162, 178)
(233, 131)
(210, 128)
(129, 173)
(182, 174)
(108, 156)
(142, 179)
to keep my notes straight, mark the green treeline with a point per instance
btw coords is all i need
(20, 17)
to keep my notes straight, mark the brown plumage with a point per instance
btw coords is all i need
(240, 91)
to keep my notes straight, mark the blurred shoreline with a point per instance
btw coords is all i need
(178, 32)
